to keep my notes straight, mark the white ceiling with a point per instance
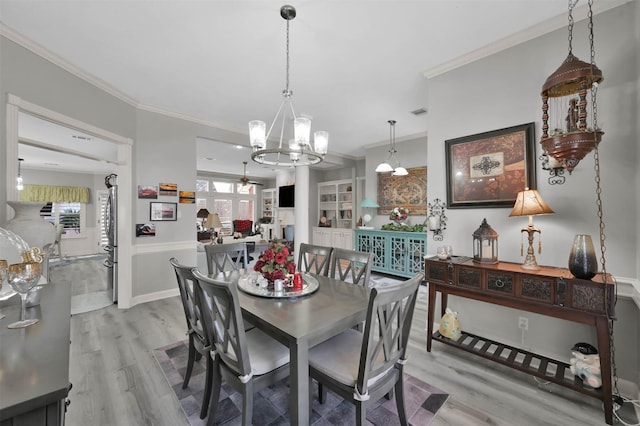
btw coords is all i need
(354, 64)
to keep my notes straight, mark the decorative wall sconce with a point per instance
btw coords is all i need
(437, 221)
(555, 169)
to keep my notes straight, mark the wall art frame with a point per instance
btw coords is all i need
(408, 191)
(163, 211)
(489, 169)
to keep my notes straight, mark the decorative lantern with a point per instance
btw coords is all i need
(485, 244)
(567, 133)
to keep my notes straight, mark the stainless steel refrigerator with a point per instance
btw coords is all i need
(111, 229)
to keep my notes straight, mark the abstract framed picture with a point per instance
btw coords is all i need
(163, 211)
(408, 191)
(489, 169)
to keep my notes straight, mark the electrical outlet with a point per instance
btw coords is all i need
(523, 323)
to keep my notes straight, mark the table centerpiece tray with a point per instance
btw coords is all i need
(250, 284)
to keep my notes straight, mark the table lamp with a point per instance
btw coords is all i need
(213, 222)
(366, 205)
(202, 215)
(530, 203)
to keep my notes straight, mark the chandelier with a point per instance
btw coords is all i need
(386, 166)
(567, 136)
(290, 151)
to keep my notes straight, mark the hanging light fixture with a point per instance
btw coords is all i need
(19, 185)
(292, 150)
(386, 166)
(571, 137)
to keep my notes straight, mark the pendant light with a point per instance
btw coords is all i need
(386, 166)
(293, 149)
(19, 185)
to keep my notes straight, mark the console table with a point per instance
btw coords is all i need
(549, 291)
(394, 252)
(34, 383)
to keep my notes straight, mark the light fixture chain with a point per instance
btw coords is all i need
(594, 85)
(287, 82)
(603, 249)
(572, 4)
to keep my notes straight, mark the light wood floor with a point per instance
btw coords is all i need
(116, 380)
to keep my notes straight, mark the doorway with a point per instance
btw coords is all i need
(121, 164)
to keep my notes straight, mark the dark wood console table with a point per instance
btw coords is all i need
(34, 383)
(548, 291)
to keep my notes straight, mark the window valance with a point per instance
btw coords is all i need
(59, 194)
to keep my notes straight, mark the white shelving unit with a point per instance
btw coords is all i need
(269, 208)
(336, 203)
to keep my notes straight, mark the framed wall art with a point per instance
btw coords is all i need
(490, 168)
(403, 191)
(163, 211)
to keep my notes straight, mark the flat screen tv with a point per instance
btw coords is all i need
(286, 196)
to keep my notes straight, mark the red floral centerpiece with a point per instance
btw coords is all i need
(275, 262)
(399, 214)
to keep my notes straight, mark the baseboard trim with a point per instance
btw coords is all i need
(158, 295)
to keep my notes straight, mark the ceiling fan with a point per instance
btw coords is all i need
(245, 180)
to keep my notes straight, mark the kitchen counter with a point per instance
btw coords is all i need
(34, 361)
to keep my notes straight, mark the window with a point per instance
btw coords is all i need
(70, 215)
(202, 185)
(231, 200)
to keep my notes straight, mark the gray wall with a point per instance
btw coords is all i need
(504, 90)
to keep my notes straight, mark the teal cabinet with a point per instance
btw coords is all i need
(395, 253)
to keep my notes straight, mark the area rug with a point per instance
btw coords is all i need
(422, 400)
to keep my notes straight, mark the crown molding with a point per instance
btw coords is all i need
(545, 27)
(57, 60)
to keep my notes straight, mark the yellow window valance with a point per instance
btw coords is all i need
(58, 194)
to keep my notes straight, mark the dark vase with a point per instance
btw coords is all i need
(582, 260)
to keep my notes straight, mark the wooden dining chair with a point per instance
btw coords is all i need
(314, 259)
(226, 257)
(199, 343)
(364, 367)
(351, 266)
(248, 360)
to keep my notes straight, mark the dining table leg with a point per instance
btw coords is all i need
(299, 380)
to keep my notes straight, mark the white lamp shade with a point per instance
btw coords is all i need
(302, 130)
(257, 137)
(384, 167)
(321, 142)
(294, 156)
(400, 171)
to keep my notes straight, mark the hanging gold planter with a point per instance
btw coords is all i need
(568, 133)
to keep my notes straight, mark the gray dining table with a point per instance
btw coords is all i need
(303, 322)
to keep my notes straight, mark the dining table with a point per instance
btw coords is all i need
(301, 323)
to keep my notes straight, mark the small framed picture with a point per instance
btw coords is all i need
(147, 191)
(168, 189)
(145, 230)
(163, 211)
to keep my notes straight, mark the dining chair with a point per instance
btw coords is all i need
(199, 343)
(314, 259)
(226, 257)
(362, 367)
(351, 266)
(247, 360)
